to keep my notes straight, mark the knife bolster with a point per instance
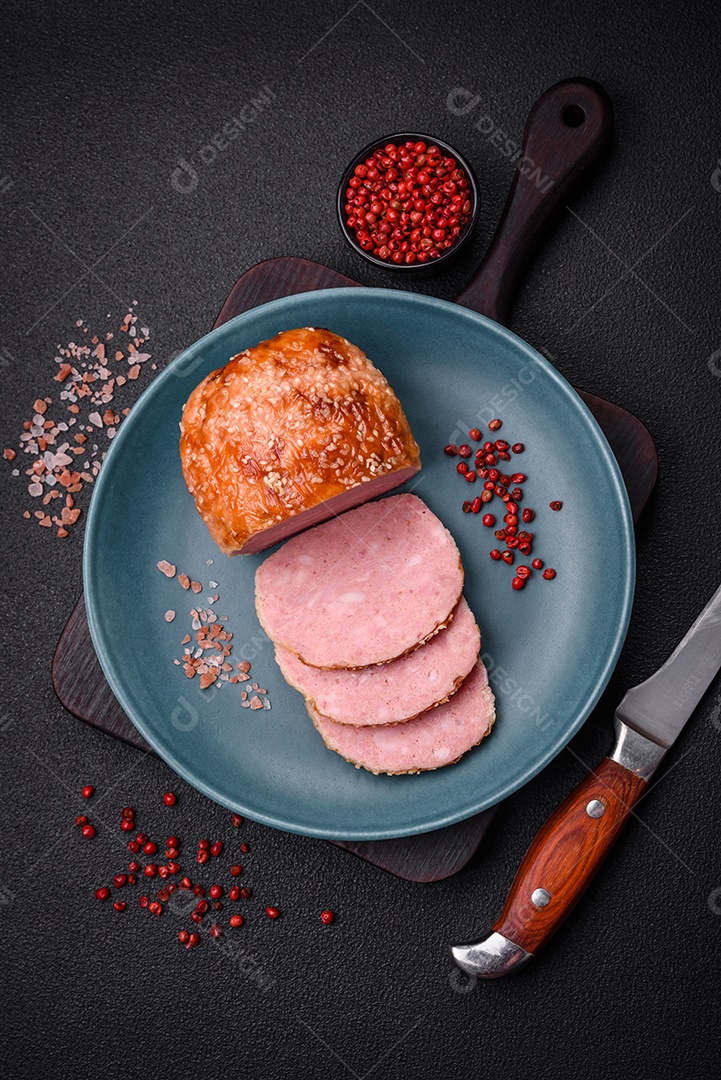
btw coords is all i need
(635, 752)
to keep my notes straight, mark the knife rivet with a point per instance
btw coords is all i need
(540, 897)
(595, 808)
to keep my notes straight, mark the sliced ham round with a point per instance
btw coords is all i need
(364, 588)
(394, 692)
(437, 738)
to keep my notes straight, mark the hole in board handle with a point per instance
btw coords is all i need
(573, 116)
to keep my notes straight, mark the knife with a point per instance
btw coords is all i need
(569, 849)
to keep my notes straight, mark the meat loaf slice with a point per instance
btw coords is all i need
(361, 589)
(394, 692)
(436, 738)
(289, 433)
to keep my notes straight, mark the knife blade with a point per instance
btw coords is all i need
(571, 846)
(659, 707)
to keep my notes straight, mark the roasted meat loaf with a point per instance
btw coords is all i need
(289, 433)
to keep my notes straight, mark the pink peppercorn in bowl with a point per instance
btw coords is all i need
(408, 202)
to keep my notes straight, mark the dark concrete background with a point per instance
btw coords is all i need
(100, 104)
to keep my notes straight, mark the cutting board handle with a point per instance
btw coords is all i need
(567, 129)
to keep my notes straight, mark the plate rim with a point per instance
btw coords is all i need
(104, 653)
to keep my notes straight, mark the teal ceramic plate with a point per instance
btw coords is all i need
(549, 649)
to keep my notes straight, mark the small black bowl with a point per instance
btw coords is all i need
(409, 268)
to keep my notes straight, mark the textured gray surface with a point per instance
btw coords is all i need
(101, 103)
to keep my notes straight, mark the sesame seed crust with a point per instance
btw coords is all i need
(290, 424)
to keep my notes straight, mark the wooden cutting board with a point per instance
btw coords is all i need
(79, 680)
(564, 151)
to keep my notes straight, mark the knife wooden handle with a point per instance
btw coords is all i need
(565, 856)
(567, 129)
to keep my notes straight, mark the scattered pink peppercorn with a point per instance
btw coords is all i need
(87, 791)
(88, 832)
(236, 920)
(103, 893)
(169, 798)
(272, 912)
(120, 905)
(326, 917)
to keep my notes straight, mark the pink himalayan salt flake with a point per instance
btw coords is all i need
(169, 615)
(184, 581)
(255, 702)
(166, 568)
(196, 586)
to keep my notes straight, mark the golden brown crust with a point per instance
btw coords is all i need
(285, 427)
